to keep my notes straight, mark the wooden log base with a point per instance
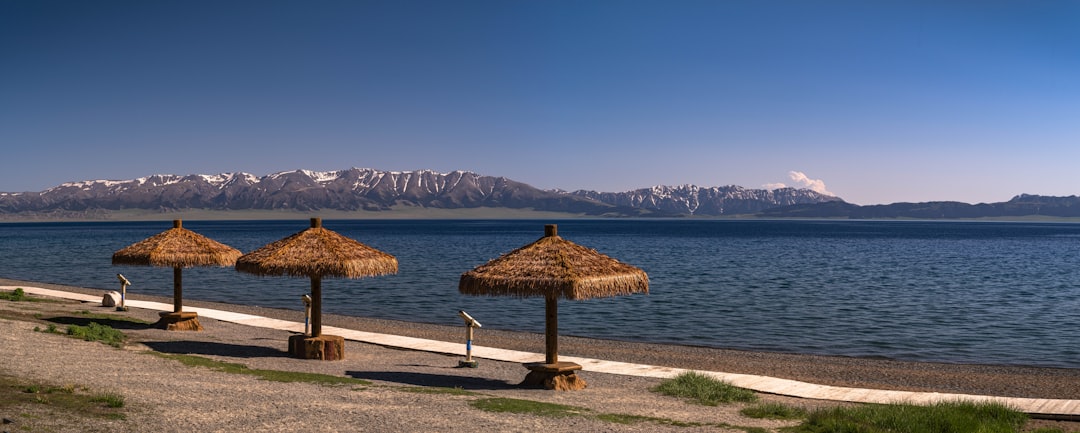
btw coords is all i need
(561, 376)
(324, 347)
(179, 321)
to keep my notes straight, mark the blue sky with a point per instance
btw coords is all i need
(874, 101)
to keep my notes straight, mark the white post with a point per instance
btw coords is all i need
(307, 314)
(470, 323)
(123, 291)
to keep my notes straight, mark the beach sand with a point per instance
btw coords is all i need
(164, 395)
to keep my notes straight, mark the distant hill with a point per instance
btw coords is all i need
(1023, 205)
(361, 189)
(695, 200)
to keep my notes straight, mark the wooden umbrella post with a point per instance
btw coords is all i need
(553, 267)
(177, 248)
(317, 345)
(178, 319)
(317, 253)
(178, 290)
(553, 374)
(551, 329)
(316, 306)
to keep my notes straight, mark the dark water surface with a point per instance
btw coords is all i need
(972, 292)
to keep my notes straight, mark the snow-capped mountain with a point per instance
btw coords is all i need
(695, 200)
(375, 190)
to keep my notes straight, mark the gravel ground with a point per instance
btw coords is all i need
(164, 395)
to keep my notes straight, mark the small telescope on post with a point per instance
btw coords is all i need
(123, 291)
(307, 313)
(470, 323)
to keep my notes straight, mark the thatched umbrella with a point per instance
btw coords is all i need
(177, 248)
(316, 253)
(554, 268)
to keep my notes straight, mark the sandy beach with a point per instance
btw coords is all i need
(164, 395)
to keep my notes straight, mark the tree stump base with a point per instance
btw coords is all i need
(324, 347)
(179, 321)
(561, 376)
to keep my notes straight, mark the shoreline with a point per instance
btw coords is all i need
(873, 373)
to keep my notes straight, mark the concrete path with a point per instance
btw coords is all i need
(1042, 408)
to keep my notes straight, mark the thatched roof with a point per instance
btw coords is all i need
(177, 247)
(554, 266)
(317, 252)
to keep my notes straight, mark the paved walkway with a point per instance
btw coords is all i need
(1043, 408)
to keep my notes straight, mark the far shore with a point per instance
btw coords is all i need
(416, 213)
(997, 380)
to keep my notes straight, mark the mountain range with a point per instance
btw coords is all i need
(1023, 205)
(362, 189)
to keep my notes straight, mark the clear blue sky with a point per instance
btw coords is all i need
(879, 101)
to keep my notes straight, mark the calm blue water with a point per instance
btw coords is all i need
(973, 292)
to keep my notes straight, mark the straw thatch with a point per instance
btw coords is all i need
(317, 252)
(553, 266)
(177, 247)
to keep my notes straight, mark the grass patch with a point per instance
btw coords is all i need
(271, 375)
(111, 317)
(435, 390)
(69, 401)
(621, 418)
(19, 295)
(16, 295)
(704, 390)
(110, 399)
(957, 417)
(773, 411)
(538, 408)
(50, 329)
(91, 332)
(552, 410)
(98, 332)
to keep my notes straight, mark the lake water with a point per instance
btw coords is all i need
(971, 292)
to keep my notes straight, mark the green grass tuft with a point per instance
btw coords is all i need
(552, 410)
(51, 329)
(436, 390)
(704, 390)
(97, 332)
(271, 375)
(17, 295)
(956, 417)
(66, 401)
(111, 317)
(538, 408)
(621, 418)
(110, 399)
(773, 411)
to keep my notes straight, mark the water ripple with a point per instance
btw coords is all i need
(996, 293)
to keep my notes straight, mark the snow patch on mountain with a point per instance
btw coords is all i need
(370, 189)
